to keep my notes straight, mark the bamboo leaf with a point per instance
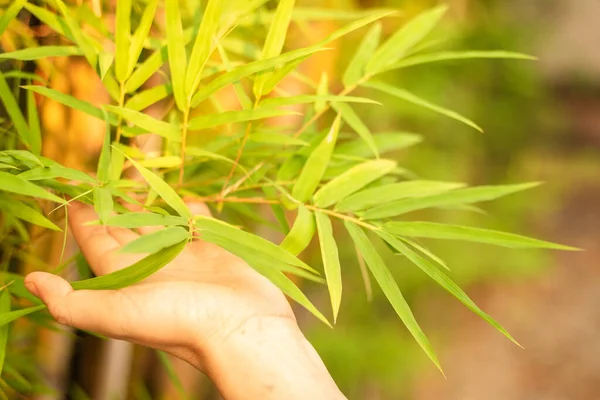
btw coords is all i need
(331, 261)
(414, 99)
(401, 42)
(470, 234)
(176, 50)
(53, 172)
(122, 39)
(356, 69)
(443, 280)
(303, 99)
(162, 162)
(140, 35)
(14, 112)
(316, 164)
(163, 189)
(148, 97)
(134, 273)
(420, 59)
(203, 45)
(301, 233)
(35, 131)
(385, 142)
(277, 76)
(354, 121)
(134, 220)
(231, 117)
(322, 90)
(103, 202)
(79, 36)
(274, 40)
(167, 130)
(4, 312)
(8, 317)
(352, 180)
(145, 70)
(212, 226)
(15, 184)
(38, 53)
(427, 252)
(9, 14)
(104, 161)
(276, 138)
(390, 288)
(453, 198)
(158, 240)
(22, 211)
(54, 21)
(17, 286)
(372, 17)
(392, 192)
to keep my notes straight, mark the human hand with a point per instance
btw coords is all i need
(207, 307)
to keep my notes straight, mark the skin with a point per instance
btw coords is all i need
(207, 307)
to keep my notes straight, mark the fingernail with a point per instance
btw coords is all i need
(32, 288)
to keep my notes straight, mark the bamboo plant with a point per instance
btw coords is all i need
(331, 169)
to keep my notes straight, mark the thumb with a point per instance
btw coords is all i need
(93, 310)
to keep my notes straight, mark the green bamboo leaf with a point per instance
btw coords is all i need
(104, 161)
(352, 180)
(301, 233)
(203, 45)
(276, 138)
(71, 102)
(316, 164)
(322, 90)
(470, 234)
(208, 225)
(277, 76)
(38, 53)
(354, 121)
(35, 131)
(24, 157)
(134, 220)
(231, 117)
(8, 317)
(25, 75)
(17, 287)
(390, 288)
(356, 69)
(155, 241)
(14, 112)
(303, 99)
(9, 14)
(122, 38)
(22, 211)
(443, 280)
(384, 141)
(148, 97)
(105, 62)
(54, 21)
(420, 59)
(103, 202)
(414, 99)
(372, 17)
(252, 68)
(79, 36)
(134, 273)
(140, 35)
(392, 192)
(176, 50)
(162, 162)
(454, 198)
(4, 312)
(274, 41)
(426, 251)
(15, 184)
(117, 162)
(331, 261)
(202, 153)
(401, 42)
(146, 69)
(53, 172)
(167, 130)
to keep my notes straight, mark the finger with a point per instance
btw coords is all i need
(93, 310)
(96, 241)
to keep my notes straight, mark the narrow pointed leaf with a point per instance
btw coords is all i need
(351, 181)
(9, 14)
(148, 97)
(134, 273)
(146, 69)
(301, 233)
(401, 42)
(456, 197)
(276, 138)
(167, 130)
(374, 16)
(162, 162)
(104, 161)
(7, 318)
(17, 286)
(203, 45)
(394, 191)
(443, 280)
(134, 220)
(316, 164)
(354, 122)
(4, 313)
(103, 202)
(35, 131)
(79, 36)
(155, 241)
(390, 288)
(14, 112)
(230, 117)
(163, 189)
(331, 261)
(468, 233)
(122, 39)
(303, 99)
(426, 251)
(176, 51)
(322, 90)
(22, 211)
(54, 21)
(53, 172)
(140, 35)
(38, 53)
(414, 99)
(384, 141)
(356, 69)
(15, 184)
